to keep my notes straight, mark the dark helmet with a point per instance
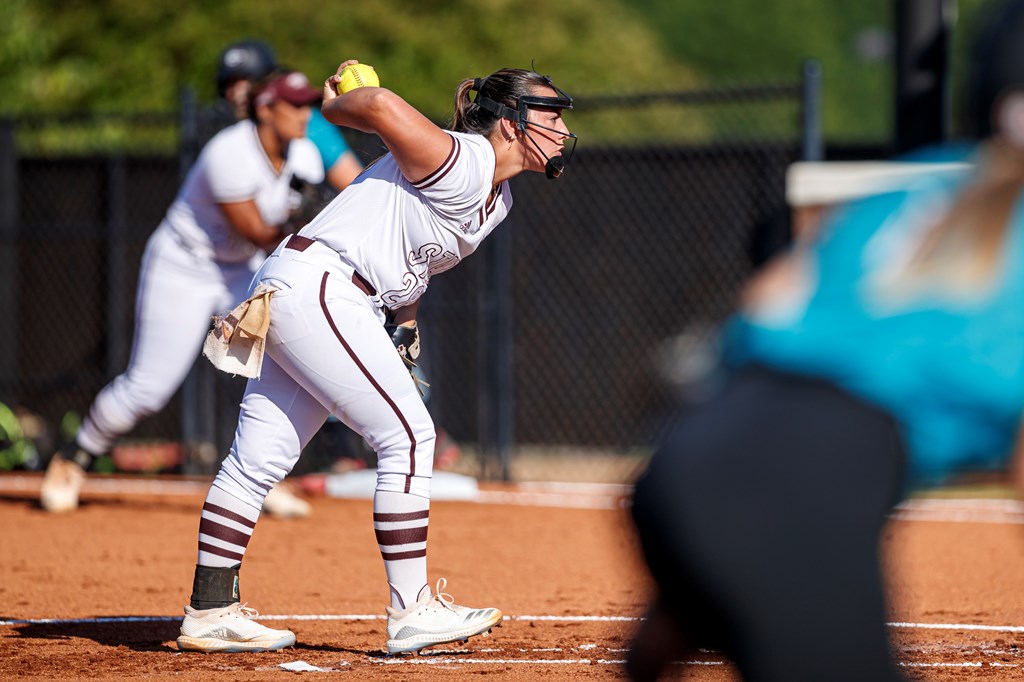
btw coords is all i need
(997, 63)
(248, 60)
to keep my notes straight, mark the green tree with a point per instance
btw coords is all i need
(72, 56)
(90, 55)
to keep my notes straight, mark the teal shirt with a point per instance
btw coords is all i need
(951, 372)
(327, 138)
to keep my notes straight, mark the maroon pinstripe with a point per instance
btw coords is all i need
(399, 556)
(402, 536)
(373, 382)
(210, 527)
(401, 516)
(222, 532)
(212, 549)
(443, 169)
(228, 514)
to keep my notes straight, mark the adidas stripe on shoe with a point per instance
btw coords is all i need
(231, 629)
(436, 619)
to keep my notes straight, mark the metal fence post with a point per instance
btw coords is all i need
(197, 393)
(189, 124)
(811, 144)
(9, 271)
(924, 36)
(504, 351)
(485, 362)
(117, 316)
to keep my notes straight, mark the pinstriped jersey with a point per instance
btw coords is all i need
(397, 233)
(234, 167)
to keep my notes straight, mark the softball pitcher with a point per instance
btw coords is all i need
(199, 262)
(362, 264)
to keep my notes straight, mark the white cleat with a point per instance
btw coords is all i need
(282, 503)
(62, 484)
(231, 629)
(436, 619)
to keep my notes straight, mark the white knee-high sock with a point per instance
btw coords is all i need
(225, 529)
(400, 523)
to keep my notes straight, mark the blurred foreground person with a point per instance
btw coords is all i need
(888, 354)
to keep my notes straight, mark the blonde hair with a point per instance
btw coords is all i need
(958, 255)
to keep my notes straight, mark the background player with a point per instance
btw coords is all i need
(363, 262)
(234, 203)
(245, 63)
(888, 354)
(240, 65)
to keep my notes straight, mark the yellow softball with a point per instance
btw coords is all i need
(357, 76)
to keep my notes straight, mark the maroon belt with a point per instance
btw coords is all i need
(299, 243)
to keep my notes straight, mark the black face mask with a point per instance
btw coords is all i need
(554, 166)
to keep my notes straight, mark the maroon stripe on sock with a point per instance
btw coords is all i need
(398, 556)
(404, 516)
(213, 549)
(221, 532)
(402, 536)
(228, 514)
(373, 382)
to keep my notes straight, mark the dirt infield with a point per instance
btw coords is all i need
(97, 594)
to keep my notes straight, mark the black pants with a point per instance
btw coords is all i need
(761, 518)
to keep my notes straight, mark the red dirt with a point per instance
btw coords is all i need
(133, 555)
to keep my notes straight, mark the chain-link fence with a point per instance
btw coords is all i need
(647, 235)
(541, 348)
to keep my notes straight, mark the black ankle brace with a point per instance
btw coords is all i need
(213, 588)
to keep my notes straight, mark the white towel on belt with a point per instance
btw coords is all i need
(235, 344)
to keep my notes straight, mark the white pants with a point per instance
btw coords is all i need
(177, 295)
(327, 353)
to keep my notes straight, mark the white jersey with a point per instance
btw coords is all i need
(234, 167)
(396, 233)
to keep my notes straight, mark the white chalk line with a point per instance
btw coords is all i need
(963, 664)
(960, 626)
(444, 657)
(101, 620)
(426, 660)
(562, 495)
(300, 617)
(422, 660)
(598, 496)
(953, 510)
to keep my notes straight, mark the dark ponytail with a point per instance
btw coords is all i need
(504, 86)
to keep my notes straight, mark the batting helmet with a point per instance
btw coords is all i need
(248, 60)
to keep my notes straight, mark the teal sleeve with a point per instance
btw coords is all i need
(327, 138)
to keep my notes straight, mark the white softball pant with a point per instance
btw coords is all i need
(177, 295)
(327, 352)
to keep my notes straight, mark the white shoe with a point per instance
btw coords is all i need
(231, 629)
(436, 619)
(61, 485)
(284, 504)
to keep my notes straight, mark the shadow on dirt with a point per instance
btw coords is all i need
(158, 634)
(175, 503)
(148, 633)
(441, 650)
